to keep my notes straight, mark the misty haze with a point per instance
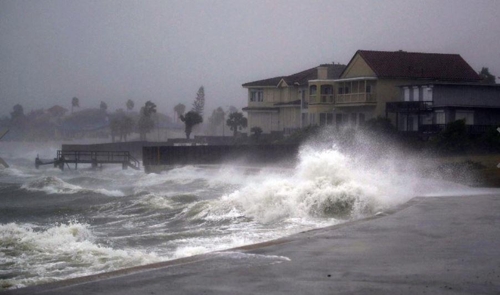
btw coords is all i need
(249, 147)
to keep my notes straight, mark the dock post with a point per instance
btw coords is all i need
(37, 162)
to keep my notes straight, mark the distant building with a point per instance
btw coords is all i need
(280, 104)
(57, 111)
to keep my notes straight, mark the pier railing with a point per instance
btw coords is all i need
(94, 158)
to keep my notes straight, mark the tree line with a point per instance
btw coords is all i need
(46, 123)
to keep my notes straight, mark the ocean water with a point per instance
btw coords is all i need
(57, 224)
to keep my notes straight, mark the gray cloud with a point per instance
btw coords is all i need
(163, 51)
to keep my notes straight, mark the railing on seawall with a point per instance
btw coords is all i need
(155, 158)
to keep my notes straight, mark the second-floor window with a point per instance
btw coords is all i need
(257, 95)
(312, 90)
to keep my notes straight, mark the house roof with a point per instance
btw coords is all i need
(300, 78)
(57, 109)
(417, 65)
(475, 85)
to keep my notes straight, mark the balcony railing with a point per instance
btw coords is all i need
(471, 129)
(408, 106)
(363, 97)
(323, 98)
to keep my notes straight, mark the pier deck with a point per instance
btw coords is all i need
(94, 158)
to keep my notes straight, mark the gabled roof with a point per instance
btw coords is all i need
(300, 78)
(416, 65)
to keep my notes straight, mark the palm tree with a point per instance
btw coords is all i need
(236, 121)
(179, 110)
(190, 119)
(75, 102)
(146, 123)
(103, 106)
(130, 105)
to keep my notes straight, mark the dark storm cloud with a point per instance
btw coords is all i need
(163, 51)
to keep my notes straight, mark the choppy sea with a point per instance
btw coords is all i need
(58, 224)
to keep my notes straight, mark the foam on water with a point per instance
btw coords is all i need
(64, 250)
(55, 185)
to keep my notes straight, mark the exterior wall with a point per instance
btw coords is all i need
(267, 121)
(388, 91)
(358, 68)
(289, 118)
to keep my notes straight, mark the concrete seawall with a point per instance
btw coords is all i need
(157, 158)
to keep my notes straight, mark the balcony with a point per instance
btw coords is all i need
(356, 98)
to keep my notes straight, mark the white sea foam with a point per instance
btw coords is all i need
(61, 251)
(325, 184)
(55, 185)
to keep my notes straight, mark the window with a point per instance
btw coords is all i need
(467, 115)
(312, 119)
(257, 95)
(346, 90)
(415, 93)
(361, 118)
(406, 94)
(440, 118)
(341, 90)
(353, 118)
(368, 89)
(338, 120)
(312, 90)
(326, 89)
(329, 119)
(427, 93)
(322, 119)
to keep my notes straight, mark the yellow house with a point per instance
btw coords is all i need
(280, 104)
(371, 80)
(339, 95)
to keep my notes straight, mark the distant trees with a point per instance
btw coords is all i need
(121, 126)
(130, 105)
(191, 119)
(215, 120)
(486, 76)
(199, 102)
(179, 109)
(236, 121)
(17, 112)
(146, 123)
(75, 102)
(103, 106)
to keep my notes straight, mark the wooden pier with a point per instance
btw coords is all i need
(94, 158)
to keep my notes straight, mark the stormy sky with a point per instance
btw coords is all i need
(163, 51)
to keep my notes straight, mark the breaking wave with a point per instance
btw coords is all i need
(62, 251)
(55, 185)
(325, 184)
